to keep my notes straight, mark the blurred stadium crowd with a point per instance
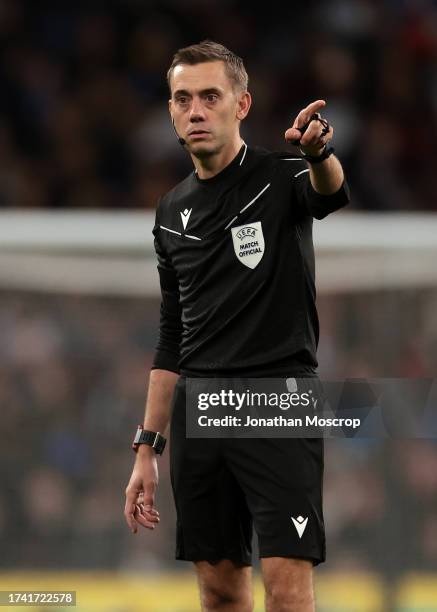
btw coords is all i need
(83, 114)
(84, 124)
(73, 376)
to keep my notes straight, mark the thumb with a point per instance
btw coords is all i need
(130, 506)
(292, 134)
(149, 495)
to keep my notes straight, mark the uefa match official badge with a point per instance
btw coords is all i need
(248, 243)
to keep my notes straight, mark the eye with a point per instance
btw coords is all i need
(211, 98)
(182, 100)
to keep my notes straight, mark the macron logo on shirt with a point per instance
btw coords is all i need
(185, 216)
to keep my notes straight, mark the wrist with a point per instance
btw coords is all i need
(312, 151)
(145, 453)
(323, 154)
(152, 439)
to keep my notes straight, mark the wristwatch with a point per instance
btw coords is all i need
(151, 438)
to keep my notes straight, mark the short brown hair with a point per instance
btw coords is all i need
(209, 51)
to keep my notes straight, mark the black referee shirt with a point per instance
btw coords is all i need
(236, 266)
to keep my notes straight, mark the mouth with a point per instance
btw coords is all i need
(198, 133)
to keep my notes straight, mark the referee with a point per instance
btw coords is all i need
(236, 265)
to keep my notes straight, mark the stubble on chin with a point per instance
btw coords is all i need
(203, 151)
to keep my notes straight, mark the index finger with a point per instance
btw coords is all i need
(309, 110)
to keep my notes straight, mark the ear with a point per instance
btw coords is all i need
(244, 102)
(170, 109)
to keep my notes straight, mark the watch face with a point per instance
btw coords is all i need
(137, 436)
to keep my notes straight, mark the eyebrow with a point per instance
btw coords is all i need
(208, 90)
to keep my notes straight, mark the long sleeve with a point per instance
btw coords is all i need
(167, 352)
(309, 202)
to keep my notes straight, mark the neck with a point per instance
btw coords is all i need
(207, 167)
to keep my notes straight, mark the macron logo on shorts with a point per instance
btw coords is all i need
(300, 523)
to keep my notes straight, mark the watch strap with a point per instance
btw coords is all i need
(151, 438)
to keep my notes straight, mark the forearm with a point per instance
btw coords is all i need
(327, 177)
(159, 399)
(140, 492)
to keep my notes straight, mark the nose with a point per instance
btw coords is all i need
(196, 111)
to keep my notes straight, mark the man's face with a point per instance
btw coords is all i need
(205, 107)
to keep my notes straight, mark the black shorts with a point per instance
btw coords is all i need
(223, 486)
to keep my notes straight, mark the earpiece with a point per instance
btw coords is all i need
(181, 141)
